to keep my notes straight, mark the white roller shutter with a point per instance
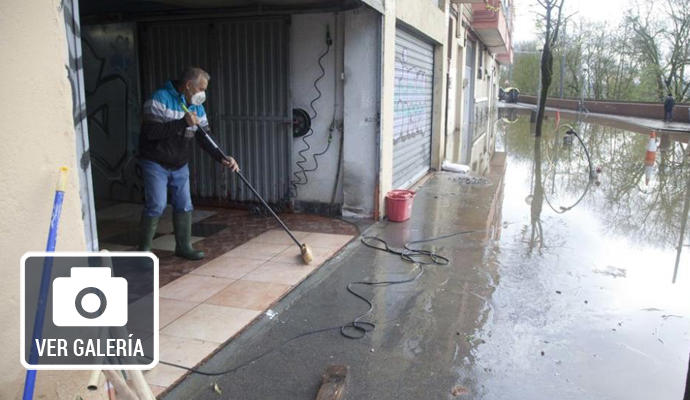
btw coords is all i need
(414, 77)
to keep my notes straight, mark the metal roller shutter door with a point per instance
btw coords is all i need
(414, 76)
(247, 99)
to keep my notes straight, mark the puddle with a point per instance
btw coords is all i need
(562, 289)
(590, 250)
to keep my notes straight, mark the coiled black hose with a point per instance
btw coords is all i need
(357, 329)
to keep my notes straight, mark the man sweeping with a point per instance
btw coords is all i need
(165, 145)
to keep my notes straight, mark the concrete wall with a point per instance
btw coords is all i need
(39, 100)
(362, 102)
(425, 16)
(484, 146)
(438, 133)
(485, 89)
(387, 107)
(349, 106)
(480, 131)
(454, 99)
(481, 88)
(454, 139)
(484, 126)
(307, 44)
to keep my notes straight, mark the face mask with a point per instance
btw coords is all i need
(198, 98)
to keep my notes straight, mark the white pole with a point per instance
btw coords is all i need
(94, 381)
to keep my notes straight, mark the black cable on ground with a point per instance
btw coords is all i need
(357, 329)
(421, 258)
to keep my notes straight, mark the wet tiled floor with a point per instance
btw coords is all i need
(249, 266)
(208, 306)
(215, 231)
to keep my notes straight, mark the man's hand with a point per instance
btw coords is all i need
(191, 118)
(231, 163)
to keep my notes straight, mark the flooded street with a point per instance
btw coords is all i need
(583, 305)
(346, 200)
(560, 287)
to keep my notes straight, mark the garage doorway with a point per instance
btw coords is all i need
(247, 110)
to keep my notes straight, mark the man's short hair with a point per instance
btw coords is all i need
(193, 74)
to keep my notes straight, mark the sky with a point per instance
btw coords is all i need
(594, 10)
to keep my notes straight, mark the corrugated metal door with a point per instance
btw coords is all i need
(414, 77)
(247, 98)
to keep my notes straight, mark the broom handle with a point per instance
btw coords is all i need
(46, 274)
(246, 182)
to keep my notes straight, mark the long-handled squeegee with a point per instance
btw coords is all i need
(304, 249)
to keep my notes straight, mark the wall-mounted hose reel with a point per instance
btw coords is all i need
(301, 122)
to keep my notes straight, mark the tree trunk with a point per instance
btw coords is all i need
(546, 71)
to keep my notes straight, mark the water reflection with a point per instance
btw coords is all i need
(536, 199)
(683, 225)
(547, 176)
(629, 200)
(583, 296)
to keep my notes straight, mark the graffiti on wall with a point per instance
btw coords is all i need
(111, 87)
(412, 97)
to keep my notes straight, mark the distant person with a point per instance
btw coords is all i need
(668, 108)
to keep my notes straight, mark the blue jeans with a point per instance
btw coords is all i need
(157, 181)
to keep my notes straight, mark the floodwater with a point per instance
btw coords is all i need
(561, 290)
(584, 305)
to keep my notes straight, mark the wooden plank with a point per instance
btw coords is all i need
(333, 383)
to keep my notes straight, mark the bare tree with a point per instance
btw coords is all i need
(552, 24)
(644, 57)
(662, 33)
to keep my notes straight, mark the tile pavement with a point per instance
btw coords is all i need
(249, 266)
(205, 308)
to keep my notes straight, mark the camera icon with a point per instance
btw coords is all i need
(90, 297)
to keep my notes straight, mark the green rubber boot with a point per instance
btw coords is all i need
(147, 228)
(182, 222)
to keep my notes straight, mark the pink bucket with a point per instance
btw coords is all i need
(399, 205)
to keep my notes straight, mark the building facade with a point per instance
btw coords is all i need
(392, 88)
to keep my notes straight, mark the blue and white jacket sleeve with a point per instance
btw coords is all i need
(160, 122)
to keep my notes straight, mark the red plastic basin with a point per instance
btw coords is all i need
(399, 205)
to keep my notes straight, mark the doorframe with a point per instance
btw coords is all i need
(75, 73)
(467, 137)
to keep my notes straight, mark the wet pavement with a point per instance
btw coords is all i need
(562, 291)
